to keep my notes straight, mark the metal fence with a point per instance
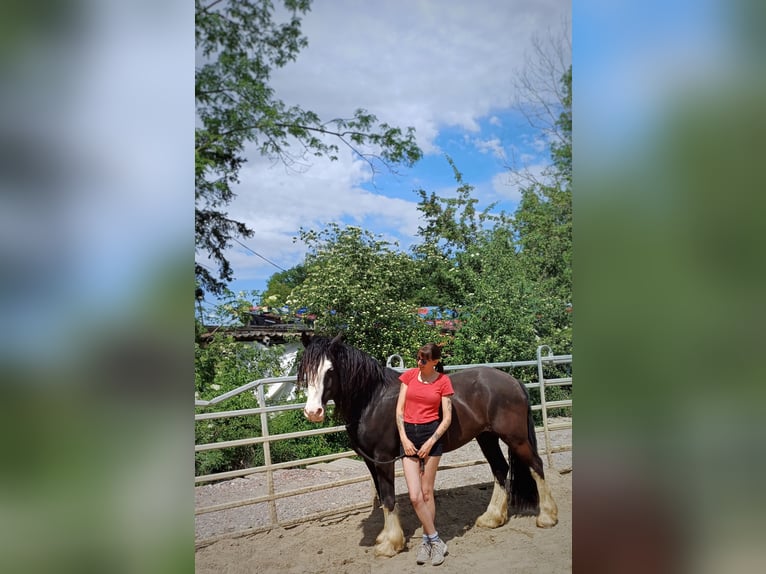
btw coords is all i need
(545, 357)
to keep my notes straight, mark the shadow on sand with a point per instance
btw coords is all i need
(456, 512)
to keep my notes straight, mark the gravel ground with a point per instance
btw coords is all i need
(230, 522)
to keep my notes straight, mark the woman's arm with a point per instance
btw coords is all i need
(441, 429)
(446, 418)
(407, 445)
(400, 411)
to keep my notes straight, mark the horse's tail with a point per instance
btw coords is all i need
(525, 499)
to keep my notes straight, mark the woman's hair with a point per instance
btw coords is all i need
(432, 351)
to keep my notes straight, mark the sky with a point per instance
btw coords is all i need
(445, 68)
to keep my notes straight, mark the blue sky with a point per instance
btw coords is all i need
(446, 68)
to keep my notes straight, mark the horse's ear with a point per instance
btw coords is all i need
(305, 338)
(337, 339)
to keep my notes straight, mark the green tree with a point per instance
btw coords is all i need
(517, 277)
(280, 285)
(447, 257)
(543, 220)
(541, 95)
(239, 43)
(561, 150)
(498, 318)
(361, 285)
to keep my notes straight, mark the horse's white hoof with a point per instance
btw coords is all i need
(489, 520)
(386, 549)
(546, 521)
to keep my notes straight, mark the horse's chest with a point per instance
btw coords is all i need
(377, 424)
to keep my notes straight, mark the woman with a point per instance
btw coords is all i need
(424, 389)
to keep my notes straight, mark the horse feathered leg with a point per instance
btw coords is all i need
(525, 499)
(530, 493)
(497, 511)
(390, 541)
(549, 512)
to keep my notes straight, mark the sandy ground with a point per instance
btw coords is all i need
(344, 544)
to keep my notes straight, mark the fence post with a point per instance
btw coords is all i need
(267, 456)
(543, 407)
(399, 361)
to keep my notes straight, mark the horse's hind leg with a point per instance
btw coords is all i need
(497, 511)
(530, 493)
(549, 512)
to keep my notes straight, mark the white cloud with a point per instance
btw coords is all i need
(493, 146)
(505, 186)
(419, 63)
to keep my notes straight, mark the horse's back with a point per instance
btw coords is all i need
(484, 380)
(483, 396)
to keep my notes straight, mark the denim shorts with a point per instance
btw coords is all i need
(420, 433)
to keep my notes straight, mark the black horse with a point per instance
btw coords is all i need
(488, 405)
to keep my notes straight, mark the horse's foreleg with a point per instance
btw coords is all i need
(390, 541)
(374, 474)
(549, 512)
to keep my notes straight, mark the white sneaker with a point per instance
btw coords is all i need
(424, 552)
(438, 552)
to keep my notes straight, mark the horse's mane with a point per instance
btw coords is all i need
(359, 377)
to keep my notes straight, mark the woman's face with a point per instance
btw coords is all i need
(425, 363)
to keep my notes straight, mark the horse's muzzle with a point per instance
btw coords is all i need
(314, 416)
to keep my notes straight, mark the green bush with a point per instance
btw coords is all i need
(221, 366)
(304, 447)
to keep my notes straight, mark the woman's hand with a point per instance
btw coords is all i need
(409, 447)
(426, 448)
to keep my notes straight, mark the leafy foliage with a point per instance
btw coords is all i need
(221, 366)
(305, 447)
(360, 285)
(447, 256)
(543, 221)
(232, 308)
(281, 284)
(509, 276)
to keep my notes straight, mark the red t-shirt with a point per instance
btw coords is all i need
(423, 399)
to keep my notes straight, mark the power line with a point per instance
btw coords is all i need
(258, 254)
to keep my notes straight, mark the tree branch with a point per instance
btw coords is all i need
(209, 6)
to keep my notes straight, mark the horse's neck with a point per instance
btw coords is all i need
(354, 405)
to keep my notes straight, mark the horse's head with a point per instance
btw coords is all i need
(316, 372)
